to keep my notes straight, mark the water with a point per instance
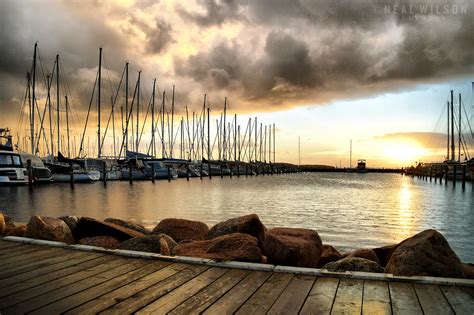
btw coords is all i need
(348, 210)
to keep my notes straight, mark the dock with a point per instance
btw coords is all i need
(39, 278)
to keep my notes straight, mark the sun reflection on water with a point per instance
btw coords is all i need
(405, 211)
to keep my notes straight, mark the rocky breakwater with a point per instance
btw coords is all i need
(246, 239)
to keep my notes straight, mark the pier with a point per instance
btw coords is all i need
(42, 277)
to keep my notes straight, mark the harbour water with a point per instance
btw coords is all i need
(348, 210)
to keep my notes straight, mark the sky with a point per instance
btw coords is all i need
(326, 72)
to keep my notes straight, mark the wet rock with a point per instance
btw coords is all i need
(234, 246)
(384, 253)
(48, 228)
(425, 254)
(129, 225)
(88, 227)
(71, 221)
(17, 231)
(365, 253)
(293, 247)
(468, 270)
(6, 224)
(248, 224)
(181, 229)
(353, 264)
(3, 225)
(328, 254)
(160, 244)
(100, 241)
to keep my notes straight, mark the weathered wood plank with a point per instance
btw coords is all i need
(72, 279)
(47, 274)
(105, 301)
(292, 298)
(460, 300)
(376, 298)
(17, 251)
(143, 298)
(432, 299)
(36, 255)
(321, 297)
(91, 293)
(234, 298)
(348, 297)
(79, 285)
(203, 299)
(404, 299)
(261, 301)
(177, 296)
(9, 244)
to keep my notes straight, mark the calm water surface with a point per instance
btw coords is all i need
(348, 210)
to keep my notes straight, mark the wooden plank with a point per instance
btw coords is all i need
(432, 299)
(404, 299)
(234, 298)
(292, 298)
(17, 251)
(169, 301)
(108, 271)
(348, 297)
(36, 255)
(105, 301)
(35, 280)
(376, 298)
(92, 293)
(261, 301)
(9, 244)
(460, 299)
(154, 292)
(88, 272)
(203, 299)
(321, 297)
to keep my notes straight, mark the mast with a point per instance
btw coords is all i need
(260, 147)
(459, 149)
(50, 115)
(235, 137)
(274, 144)
(113, 125)
(67, 128)
(153, 120)
(126, 107)
(58, 103)
(350, 158)
(163, 126)
(208, 136)
(238, 138)
(270, 143)
(182, 139)
(138, 110)
(447, 142)
(255, 151)
(203, 124)
(32, 118)
(98, 103)
(453, 153)
(299, 152)
(224, 138)
(172, 124)
(265, 146)
(250, 138)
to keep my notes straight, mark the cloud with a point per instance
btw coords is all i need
(431, 140)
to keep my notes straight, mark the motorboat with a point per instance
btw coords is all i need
(41, 174)
(12, 170)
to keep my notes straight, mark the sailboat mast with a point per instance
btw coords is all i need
(256, 140)
(224, 138)
(235, 137)
(32, 118)
(172, 124)
(274, 151)
(50, 115)
(67, 128)
(113, 125)
(270, 143)
(350, 157)
(163, 126)
(460, 134)
(453, 153)
(98, 104)
(208, 136)
(58, 104)
(447, 142)
(153, 120)
(138, 111)
(126, 107)
(202, 127)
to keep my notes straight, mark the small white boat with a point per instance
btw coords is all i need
(12, 170)
(79, 177)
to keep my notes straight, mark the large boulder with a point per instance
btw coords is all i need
(88, 227)
(3, 225)
(328, 254)
(248, 224)
(6, 224)
(109, 242)
(384, 253)
(234, 246)
(468, 270)
(293, 247)
(182, 230)
(160, 244)
(425, 254)
(19, 231)
(129, 225)
(364, 253)
(353, 264)
(48, 228)
(71, 221)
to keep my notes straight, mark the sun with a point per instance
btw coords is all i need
(403, 152)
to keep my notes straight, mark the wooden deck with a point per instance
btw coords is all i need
(46, 280)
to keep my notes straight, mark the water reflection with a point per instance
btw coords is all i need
(348, 210)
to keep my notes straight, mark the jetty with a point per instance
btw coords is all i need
(44, 277)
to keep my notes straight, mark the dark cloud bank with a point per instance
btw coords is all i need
(288, 52)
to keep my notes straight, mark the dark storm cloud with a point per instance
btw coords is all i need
(158, 37)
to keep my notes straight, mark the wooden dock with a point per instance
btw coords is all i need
(42, 279)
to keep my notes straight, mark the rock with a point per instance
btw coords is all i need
(3, 225)
(364, 253)
(181, 229)
(6, 224)
(48, 228)
(100, 241)
(129, 225)
(425, 254)
(293, 247)
(468, 270)
(248, 224)
(71, 221)
(88, 227)
(160, 244)
(353, 264)
(18, 231)
(384, 253)
(234, 246)
(328, 254)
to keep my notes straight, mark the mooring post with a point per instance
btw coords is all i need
(238, 170)
(431, 174)
(200, 172)
(130, 172)
(231, 171)
(464, 176)
(30, 174)
(246, 170)
(153, 173)
(187, 172)
(169, 173)
(209, 170)
(104, 172)
(454, 175)
(71, 175)
(222, 172)
(446, 176)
